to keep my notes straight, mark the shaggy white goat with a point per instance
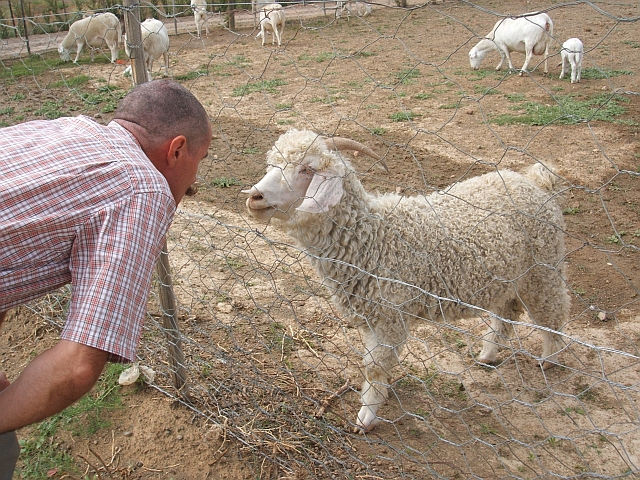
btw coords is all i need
(199, 8)
(272, 19)
(92, 30)
(571, 54)
(353, 7)
(155, 43)
(530, 34)
(494, 242)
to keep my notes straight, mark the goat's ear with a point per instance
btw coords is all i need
(324, 191)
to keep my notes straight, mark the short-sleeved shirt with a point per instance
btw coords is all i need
(81, 203)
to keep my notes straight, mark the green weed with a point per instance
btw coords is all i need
(224, 182)
(567, 111)
(402, 116)
(600, 73)
(407, 76)
(262, 86)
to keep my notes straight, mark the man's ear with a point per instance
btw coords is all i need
(177, 148)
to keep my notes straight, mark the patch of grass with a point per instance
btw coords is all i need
(424, 96)
(251, 150)
(631, 44)
(567, 111)
(284, 106)
(262, 86)
(201, 72)
(448, 106)
(40, 454)
(515, 97)
(52, 110)
(72, 82)
(402, 116)
(482, 90)
(571, 211)
(407, 76)
(600, 73)
(30, 66)
(278, 338)
(224, 182)
(378, 131)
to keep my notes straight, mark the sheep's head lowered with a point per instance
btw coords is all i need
(304, 173)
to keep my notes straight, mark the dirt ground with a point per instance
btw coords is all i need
(264, 348)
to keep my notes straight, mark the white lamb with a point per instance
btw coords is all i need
(155, 44)
(272, 19)
(93, 31)
(530, 34)
(571, 54)
(494, 242)
(199, 8)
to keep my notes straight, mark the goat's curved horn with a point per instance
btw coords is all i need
(341, 143)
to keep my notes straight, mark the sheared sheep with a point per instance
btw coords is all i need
(530, 34)
(199, 8)
(92, 30)
(571, 54)
(490, 245)
(155, 43)
(272, 18)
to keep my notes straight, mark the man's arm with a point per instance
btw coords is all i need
(51, 382)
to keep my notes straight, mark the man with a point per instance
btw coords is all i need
(89, 204)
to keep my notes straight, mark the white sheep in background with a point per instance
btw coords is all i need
(199, 8)
(530, 34)
(155, 44)
(571, 54)
(353, 7)
(92, 31)
(495, 242)
(272, 18)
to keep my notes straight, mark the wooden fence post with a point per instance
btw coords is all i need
(163, 268)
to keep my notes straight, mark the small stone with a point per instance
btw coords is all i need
(128, 434)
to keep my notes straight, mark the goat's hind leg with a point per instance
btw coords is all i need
(499, 331)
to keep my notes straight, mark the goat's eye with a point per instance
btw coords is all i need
(307, 171)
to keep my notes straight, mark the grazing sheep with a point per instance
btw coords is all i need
(530, 34)
(199, 8)
(155, 43)
(353, 7)
(571, 54)
(272, 19)
(493, 242)
(93, 31)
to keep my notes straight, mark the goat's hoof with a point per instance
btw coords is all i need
(486, 361)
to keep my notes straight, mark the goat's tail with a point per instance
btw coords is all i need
(545, 176)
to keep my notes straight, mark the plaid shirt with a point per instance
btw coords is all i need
(80, 202)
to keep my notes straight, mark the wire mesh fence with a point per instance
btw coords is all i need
(266, 352)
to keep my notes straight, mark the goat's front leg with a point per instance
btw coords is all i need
(382, 350)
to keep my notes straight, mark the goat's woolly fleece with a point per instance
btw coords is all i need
(494, 242)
